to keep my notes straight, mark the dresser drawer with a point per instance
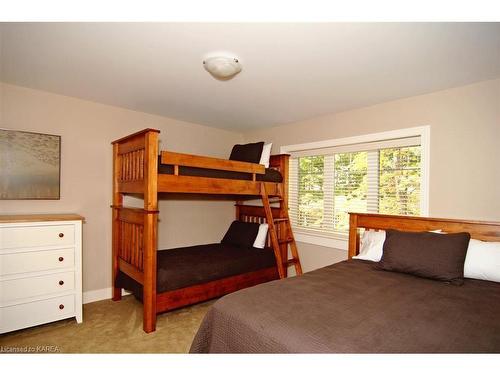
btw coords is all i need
(36, 236)
(15, 289)
(33, 313)
(34, 261)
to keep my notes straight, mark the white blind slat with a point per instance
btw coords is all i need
(325, 187)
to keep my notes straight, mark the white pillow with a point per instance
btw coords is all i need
(483, 260)
(372, 244)
(266, 154)
(260, 240)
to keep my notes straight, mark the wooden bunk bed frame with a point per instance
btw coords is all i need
(134, 239)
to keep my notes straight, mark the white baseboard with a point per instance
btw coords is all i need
(99, 295)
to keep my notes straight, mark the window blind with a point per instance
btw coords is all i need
(326, 184)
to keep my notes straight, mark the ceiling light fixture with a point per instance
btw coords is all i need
(222, 67)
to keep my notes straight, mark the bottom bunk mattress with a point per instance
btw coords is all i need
(187, 266)
(351, 307)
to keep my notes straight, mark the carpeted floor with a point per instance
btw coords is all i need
(112, 327)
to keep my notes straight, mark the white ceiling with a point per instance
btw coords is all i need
(290, 71)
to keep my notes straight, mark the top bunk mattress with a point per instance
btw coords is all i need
(187, 266)
(271, 175)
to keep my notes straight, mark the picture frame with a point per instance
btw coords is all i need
(30, 165)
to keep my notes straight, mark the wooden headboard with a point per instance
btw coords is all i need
(480, 230)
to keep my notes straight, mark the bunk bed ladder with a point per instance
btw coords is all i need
(275, 242)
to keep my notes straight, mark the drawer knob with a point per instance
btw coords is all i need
(61, 235)
(61, 306)
(61, 259)
(61, 282)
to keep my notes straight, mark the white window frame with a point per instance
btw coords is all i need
(339, 241)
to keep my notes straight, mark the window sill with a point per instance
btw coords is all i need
(338, 241)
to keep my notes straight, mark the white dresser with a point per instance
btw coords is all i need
(40, 269)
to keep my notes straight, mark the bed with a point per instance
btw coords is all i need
(353, 307)
(176, 269)
(167, 280)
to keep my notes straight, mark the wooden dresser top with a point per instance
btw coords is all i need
(39, 217)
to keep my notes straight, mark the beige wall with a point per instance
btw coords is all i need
(465, 148)
(87, 129)
(464, 175)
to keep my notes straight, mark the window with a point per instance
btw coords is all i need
(382, 176)
(350, 186)
(399, 181)
(310, 192)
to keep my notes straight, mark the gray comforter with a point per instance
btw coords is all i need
(350, 307)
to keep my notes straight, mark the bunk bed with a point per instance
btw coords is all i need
(140, 169)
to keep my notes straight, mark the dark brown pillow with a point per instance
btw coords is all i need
(249, 152)
(425, 254)
(241, 234)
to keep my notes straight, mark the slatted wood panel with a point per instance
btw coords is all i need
(132, 244)
(256, 214)
(131, 166)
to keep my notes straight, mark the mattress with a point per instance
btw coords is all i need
(271, 175)
(186, 266)
(351, 307)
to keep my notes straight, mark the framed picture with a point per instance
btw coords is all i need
(30, 165)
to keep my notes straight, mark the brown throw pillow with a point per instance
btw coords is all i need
(241, 234)
(425, 254)
(249, 152)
